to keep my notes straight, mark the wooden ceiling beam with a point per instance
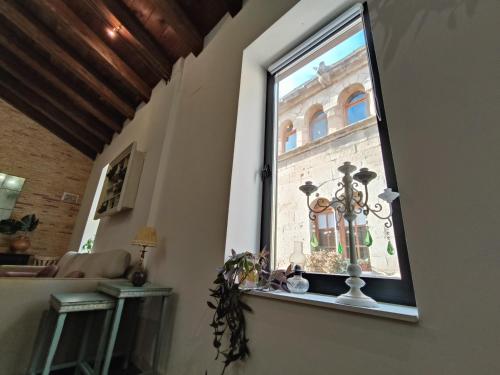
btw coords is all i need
(52, 75)
(48, 110)
(115, 13)
(31, 79)
(179, 21)
(52, 44)
(233, 6)
(24, 107)
(84, 33)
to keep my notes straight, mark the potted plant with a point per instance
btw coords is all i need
(88, 246)
(240, 273)
(27, 224)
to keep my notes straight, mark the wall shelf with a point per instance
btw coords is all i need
(122, 182)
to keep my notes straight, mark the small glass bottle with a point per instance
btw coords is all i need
(297, 284)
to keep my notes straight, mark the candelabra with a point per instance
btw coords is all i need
(349, 202)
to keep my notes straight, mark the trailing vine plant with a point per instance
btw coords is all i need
(240, 272)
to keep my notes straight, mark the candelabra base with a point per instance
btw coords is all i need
(355, 297)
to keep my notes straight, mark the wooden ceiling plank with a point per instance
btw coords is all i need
(96, 44)
(49, 41)
(51, 74)
(24, 107)
(115, 13)
(233, 6)
(47, 109)
(30, 78)
(179, 21)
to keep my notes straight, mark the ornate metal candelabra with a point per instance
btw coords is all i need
(349, 202)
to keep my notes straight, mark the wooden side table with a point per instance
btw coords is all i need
(123, 290)
(62, 304)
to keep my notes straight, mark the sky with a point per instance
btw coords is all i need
(334, 55)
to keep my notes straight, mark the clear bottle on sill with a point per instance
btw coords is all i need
(297, 284)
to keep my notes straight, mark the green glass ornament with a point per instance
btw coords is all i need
(390, 248)
(368, 241)
(314, 240)
(340, 249)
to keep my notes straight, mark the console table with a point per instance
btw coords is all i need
(123, 290)
(62, 304)
(17, 259)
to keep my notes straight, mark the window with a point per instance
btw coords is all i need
(10, 189)
(289, 137)
(319, 125)
(356, 108)
(345, 51)
(92, 225)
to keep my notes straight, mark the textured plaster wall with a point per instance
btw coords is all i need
(50, 167)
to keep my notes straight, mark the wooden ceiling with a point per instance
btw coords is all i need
(81, 67)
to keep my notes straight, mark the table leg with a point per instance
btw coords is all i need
(160, 334)
(112, 335)
(83, 345)
(102, 341)
(131, 339)
(53, 343)
(41, 337)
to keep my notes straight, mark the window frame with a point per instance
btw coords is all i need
(397, 291)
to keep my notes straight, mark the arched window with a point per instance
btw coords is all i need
(289, 137)
(319, 125)
(356, 107)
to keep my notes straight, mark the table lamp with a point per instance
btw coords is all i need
(145, 237)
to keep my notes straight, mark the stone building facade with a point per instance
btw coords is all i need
(318, 131)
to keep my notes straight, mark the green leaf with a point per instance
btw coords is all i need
(211, 305)
(368, 241)
(390, 248)
(340, 249)
(314, 240)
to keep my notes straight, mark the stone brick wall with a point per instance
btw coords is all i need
(50, 167)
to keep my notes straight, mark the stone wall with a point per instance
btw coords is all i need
(50, 167)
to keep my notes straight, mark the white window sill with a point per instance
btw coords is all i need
(385, 310)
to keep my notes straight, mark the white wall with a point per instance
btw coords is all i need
(439, 68)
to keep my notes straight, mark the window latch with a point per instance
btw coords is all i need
(266, 171)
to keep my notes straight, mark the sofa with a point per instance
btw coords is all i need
(25, 298)
(104, 264)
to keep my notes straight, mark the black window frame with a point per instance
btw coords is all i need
(397, 291)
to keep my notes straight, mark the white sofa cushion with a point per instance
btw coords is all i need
(107, 264)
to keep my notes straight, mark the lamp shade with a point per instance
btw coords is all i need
(146, 236)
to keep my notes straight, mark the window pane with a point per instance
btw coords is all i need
(356, 112)
(319, 126)
(328, 78)
(356, 97)
(291, 142)
(322, 221)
